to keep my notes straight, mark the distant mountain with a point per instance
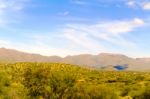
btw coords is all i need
(98, 61)
(10, 55)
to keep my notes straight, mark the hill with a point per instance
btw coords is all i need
(98, 61)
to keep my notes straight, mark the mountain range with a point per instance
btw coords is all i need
(101, 60)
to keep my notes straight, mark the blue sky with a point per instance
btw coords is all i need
(71, 27)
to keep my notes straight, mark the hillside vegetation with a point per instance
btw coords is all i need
(64, 81)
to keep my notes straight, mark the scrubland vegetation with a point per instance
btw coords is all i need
(64, 81)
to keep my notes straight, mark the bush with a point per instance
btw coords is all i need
(143, 95)
(47, 82)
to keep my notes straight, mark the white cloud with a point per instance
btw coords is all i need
(143, 4)
(12, 4)
(64, 13)
(9, 9)
(82, 39)
(131, 4)
(120, 27)
(4, 43)
(41, 48)
(79, 2)
(85, 38)
(53, 51)
(146, 6)
(108, 31)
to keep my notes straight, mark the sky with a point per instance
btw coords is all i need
(72, 27)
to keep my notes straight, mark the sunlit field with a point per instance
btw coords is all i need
(64, 81)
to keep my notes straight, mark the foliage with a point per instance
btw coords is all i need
(65, 81)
